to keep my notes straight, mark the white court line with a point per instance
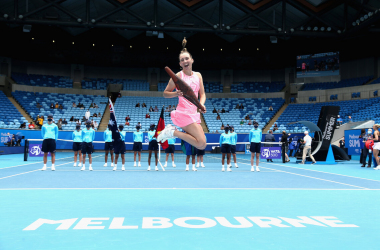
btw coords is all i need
(317, 171)
(142, 170)
(308, 176)
(33, 163)
(40, 169)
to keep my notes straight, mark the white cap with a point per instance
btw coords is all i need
(370, 131)
(306, 132)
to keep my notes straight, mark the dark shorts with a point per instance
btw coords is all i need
(87, 148)
(255, 147)
(108, 146)
(190, 150)
(226, 148)
(170, 149)
(48, 145)
(137, 146)
(153, 145)
(119, 147)
(201, 152)
(233, 149)
(77, 146)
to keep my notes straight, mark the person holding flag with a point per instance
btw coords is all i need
(108, 146)
(153, 145)
(77, 145)
(49, 133)
(88, 136)
(120, 149)
(112, 125)
(137, 144)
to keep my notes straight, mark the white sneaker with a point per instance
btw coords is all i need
(165, 165)
(156, 168)
(174, 165)
(114, 168)
(203, 166)
(139, 164)
(257, 169)
(166, 134)
(75, 164)
(52, 168)
(80, 164)
(90, 168)
(377, 168)
(134, 164)
(112, 164)
(148, 168)
(194, 169)
(122, 168)
(83, 168)
(252, 169)
(44, 168)
(222, 169)
(229, 169)
(236, 165)
(187, 168)
(197, 165)
(105, 165)
(229, 166)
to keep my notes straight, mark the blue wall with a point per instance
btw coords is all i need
(67, 135)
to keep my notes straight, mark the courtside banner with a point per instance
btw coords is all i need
(35, 150)
(352, 140)
(270, 152)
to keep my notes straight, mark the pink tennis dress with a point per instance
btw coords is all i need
(186, 112)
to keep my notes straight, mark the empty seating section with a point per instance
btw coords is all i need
(210, 87)
(126, 106)
(376, 81)
(341, 84)
(359, 110)
(257, 87)
(10, 117)
(43, 80)
(213, 87)
(128, 84)
(256, 109)
(29, 100)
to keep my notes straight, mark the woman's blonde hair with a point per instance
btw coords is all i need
(184, 50)
(377, 126)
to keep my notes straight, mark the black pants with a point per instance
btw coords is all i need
(365, 153)
(291, 153)
(283, 148)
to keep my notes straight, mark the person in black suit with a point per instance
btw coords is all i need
(269, 138)
(284, 147)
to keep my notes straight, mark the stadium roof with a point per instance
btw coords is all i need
(229, 19)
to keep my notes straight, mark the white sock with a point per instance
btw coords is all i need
(187, 165)
(193, 165)
(52, 165)
(173, 162)
(166, 163)
(222, 166)
(135, 163)
(44, 165)
(90, 165)
(84, 165)
(122, 165)
(115, 165)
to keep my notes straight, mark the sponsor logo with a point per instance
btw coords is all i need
(35, 150)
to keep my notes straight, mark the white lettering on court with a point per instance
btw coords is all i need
(207, 222)
(267, 221)
(332, 221)
(117, 223)
(65, 224)
(151, 222)
(301, 221)
(86, 222)
(244, 223)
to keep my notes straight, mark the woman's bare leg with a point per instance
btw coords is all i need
(194, 135)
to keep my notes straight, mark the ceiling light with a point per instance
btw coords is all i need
(79, 20)
(309, 28)
(328, 28)
(279, 29)
(322, 28)
(302, 28)
(291, 30)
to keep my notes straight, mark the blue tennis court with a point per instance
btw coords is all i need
(284, 206)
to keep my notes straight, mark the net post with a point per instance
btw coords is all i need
(26, 150)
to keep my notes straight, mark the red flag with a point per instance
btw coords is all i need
(160, 126)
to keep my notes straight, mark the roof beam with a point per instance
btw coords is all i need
(41, 8)
(118, 8)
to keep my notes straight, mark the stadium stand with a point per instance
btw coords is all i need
(29, 100)
(376, 81)
(128, 84)
(359, 110)
(10, 117)
(256, 109)
(126, 105)
(257, 87)
(334, 85)
(210, 87)
(43, 80)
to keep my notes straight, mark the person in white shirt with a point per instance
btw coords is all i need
(87, 115)
(307, 148)
(96, 125)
